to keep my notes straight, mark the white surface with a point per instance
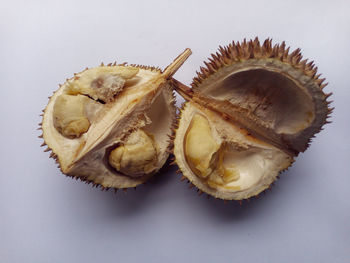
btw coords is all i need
(46, 217)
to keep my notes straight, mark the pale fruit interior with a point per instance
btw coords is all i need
(79, 94)
(221, 158)
(142, 152)
(97, 165)
(268, 96)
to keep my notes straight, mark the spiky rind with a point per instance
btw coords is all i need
(237, 52)
(246, 52)
(83, 178)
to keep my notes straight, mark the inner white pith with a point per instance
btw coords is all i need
(264, 94)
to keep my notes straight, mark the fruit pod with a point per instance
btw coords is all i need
(249, 112)
(110, 125)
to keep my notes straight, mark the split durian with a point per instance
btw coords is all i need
(249, 113)
(110, 125)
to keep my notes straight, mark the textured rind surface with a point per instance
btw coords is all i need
(251, 55)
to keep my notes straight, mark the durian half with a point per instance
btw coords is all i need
(249, 113)
(110, 125)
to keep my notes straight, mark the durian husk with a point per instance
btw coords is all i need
(137, 106)
(275, 59)
(235, 65)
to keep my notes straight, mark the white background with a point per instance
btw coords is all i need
(47, 217)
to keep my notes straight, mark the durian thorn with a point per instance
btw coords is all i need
(191, 185)
(200, 192)
(40, 128)
(240, 202)
(183, 178)
(172, 163)
(43, 144)
(328, 95)
(178, 171)
(125, 190)
(176, 64)
(47, 149)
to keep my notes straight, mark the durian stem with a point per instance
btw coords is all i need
(176, 64)
(182, 89)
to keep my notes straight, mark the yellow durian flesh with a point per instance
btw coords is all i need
(102, 83)
(69, 115)
(200, 146)
(137, 156)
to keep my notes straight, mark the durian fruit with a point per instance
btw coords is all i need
(249, 113)
(110, 125)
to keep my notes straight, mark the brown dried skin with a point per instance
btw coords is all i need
(102, 108)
